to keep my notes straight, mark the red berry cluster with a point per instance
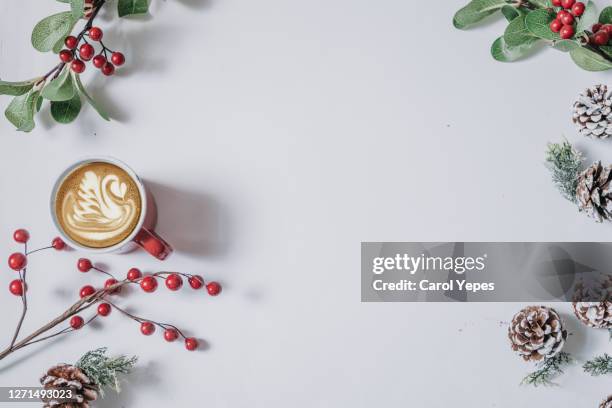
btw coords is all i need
(565, 22)
(86, 52)
(602, 34)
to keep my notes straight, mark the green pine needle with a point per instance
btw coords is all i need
(565, 164)
(103, 370)
(548, 370)
(600, 365)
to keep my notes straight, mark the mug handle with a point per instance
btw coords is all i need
(153, 244)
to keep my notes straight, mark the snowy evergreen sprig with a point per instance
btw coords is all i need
(103, 370)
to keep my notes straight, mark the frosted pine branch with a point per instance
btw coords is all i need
(565, 164)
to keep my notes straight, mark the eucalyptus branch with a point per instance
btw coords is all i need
(548, 370)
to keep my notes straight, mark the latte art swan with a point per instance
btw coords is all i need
(103, 210)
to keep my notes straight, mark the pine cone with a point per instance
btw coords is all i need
(592, 112)
(593, 303)
(537, 332)
(607, 403)
(68, 376)
(594, 192)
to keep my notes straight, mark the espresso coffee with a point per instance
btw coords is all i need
(98, 205)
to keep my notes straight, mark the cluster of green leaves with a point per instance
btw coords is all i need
(64, 91)
(548, 369)
(528, 25)
(103, 370)
(565, 165)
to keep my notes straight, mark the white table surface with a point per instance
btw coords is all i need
(278, 135)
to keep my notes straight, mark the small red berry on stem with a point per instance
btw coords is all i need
(108, 69)
(17, 261)
(104, 309)
(601, 38)
(170, 335)
(96, 33)
(196, 281)
(147, 328)
(567, 19)
(556, 25)
(22, 236)
(76, 322)
(578, 9)
(86, 52)
(118, 58)
(16, 287)
(84, 265)
(607, 28)
(191, 343)
(596, 27)
(65, 56)
(213, 288)
(561, 14)
(567, 32)
(556, 3)
(174, 282)
(99, 61)
(567, 4)
(134, 274)
(71, 42)
(58, 244)
(86, 291)
(110, 282)
(78, 66)
(148, 284)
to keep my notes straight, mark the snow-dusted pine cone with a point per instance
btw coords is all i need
(607, 403)
(594, 314)
(593, 112)
(537, 332)
(594, 192)
(68, 376)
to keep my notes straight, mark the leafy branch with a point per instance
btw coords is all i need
(565, 164)
(547, 370)
(61, 87)
(600, 365)
(103, 370)
(529, 24)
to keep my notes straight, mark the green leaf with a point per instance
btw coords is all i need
(20, 111)
(538, 22)
(66, 111)
(61, 88)
(606, 49)
(77, 7)
(476, 11)
(589, 60)
(606, 16)
(92, 102)
(52, 29)
(542, 3)
(503, 52)
(516, 33)
(565, 45)
(510, 12)
(588, 18)
(16, 88)
(39, 102)
(129, 7)
(58, 46)
(64, 1)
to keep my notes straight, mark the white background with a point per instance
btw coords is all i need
(278, 135)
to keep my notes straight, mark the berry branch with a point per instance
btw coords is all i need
(90, 296)
(62, 85)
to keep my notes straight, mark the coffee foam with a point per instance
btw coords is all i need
(98, 205)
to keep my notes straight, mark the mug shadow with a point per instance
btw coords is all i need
(193, 223)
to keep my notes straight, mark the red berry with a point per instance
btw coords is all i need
(17, 261)
(601, 38)
(78, 66)
(71, 42)
(65, 56)
(567, 32)
(561, 14)
(86, 52)
(147, 328)
(95, 33)
(104, 309)
(567, 19)
(99, 60)
(16, 287)
(174, 282)
(596, 27)
(555, 25)
(556, 3)
(76, 322)
(58, 244)
(191, 343)
(196, 281)
(578, 9)
(170, 335)
(110, 282)
(213, 288)
(134, 274)
(86, 291)
(108, 69)
(118, 58)
(148, 284)
(22, 236)
(566, 4)
(84, 265)
(607, 28)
